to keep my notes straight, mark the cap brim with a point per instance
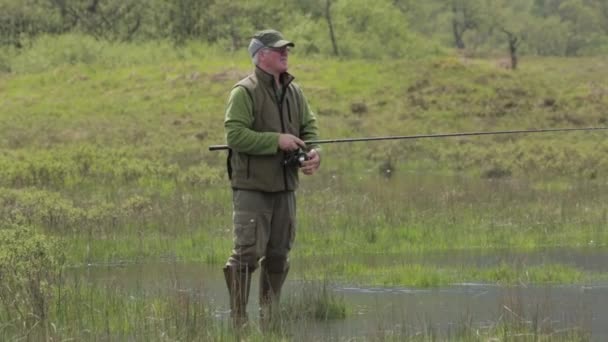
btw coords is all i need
(281, 43)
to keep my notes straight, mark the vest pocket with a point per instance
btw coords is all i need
(245, 228)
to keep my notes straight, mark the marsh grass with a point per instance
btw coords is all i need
(90, 311)
(406, 214)
(85, 311)
(95, 311)
(416, 212)
(315, 300)
(30, 265)
(513, 323)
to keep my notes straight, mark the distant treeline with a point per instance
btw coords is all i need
(349, 28)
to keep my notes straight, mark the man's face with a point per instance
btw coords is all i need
(274, 60)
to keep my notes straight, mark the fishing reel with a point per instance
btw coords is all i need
(295, 158)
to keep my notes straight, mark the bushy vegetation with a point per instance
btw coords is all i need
(30, 266)
(348, 28)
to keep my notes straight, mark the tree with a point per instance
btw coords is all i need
(103, 19)
(330, 25)
(466, 15)
(603, 9)
(426, 17)
(545, 8)
(548, 36)
(514, 40)
(583, 23)
(511, 18)
(26, 18)
(372, 30)
(186, 18)
(234, 22)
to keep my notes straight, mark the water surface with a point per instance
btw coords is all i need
(385, 311)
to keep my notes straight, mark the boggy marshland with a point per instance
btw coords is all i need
(116, 219)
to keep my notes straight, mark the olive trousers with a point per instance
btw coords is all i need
(264, 231)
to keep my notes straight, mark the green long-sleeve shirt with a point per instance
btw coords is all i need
(239, 122)
(256, 113)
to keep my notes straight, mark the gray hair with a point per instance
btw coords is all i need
(255, 60)
(254, 47)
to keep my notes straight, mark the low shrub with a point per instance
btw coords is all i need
(30, 266)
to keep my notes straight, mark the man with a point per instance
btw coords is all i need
(267, 118)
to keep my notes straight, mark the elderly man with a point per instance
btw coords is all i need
(267, 120)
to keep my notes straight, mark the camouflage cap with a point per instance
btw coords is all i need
(267, 38)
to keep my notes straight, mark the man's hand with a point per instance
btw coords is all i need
(288, 142)
(311, 165)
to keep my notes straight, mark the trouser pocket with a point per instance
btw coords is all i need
(245, 228)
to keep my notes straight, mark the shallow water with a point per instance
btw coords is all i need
(447, 309)
(380, 311)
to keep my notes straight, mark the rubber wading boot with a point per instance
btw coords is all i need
(238, 283)
(270, 292)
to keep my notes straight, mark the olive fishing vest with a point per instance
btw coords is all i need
(270, 114)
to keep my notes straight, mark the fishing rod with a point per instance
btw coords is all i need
(295, 158)
(437, 135)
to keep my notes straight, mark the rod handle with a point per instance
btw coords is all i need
(218, 147)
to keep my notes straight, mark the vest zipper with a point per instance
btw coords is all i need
(288, 110)
(280, 107)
